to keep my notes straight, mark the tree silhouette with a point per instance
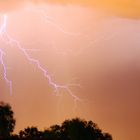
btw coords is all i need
(30, 132)
(7, 121)
(74, 129)
(53, 133)
(77, 129)
(107, 136)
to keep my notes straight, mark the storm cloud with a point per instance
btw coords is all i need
(122, 8)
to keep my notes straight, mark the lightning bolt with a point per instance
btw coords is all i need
(2, 31)
(11, 41)
(103, 36)
(5, 70)
(51, 21)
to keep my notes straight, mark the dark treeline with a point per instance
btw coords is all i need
(73, 129)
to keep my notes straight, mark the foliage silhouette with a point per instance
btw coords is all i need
(30, 132)
(73, 129)
(77, 129)
(7, 121)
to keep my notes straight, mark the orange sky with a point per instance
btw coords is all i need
(100, 52)
(125, 8)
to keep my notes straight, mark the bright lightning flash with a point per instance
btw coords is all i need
(11, 41)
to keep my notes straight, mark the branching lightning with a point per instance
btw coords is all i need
(4, 70)
(13, 42)
(2, 32)
(91, 41)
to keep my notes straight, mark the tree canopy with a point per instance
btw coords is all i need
(7, 121)
(74, 129)
(71, 129)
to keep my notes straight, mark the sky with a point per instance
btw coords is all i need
(92, 47)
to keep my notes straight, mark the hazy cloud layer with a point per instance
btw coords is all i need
(123, 8)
